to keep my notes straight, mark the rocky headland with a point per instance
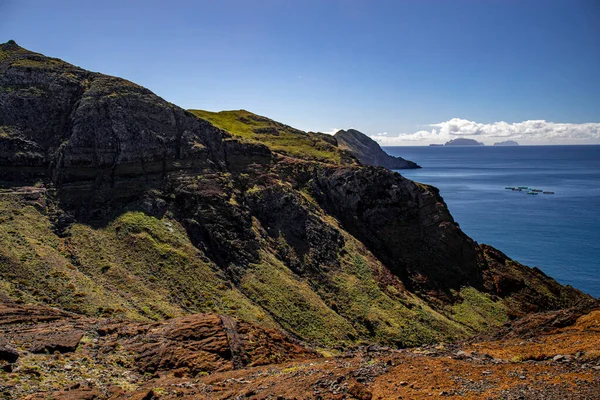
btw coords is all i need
(368, 151)
(147, 252)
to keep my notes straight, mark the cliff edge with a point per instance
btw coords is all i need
(369, 152)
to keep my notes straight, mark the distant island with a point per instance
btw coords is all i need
(463, 142)
(472, 142)
(506, 143)
(368, 151)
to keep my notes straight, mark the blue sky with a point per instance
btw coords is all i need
(383, 67)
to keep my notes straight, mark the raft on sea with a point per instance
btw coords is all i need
(528, 189)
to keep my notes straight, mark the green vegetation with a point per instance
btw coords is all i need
(47, 373)
(138, 267)
(142, 267)
(380, 312)
(278, 137)
(294, 304)
(33, 62)
(24, 89)
(145, 268)
(478, 311)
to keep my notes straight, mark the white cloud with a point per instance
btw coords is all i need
(332, 131)
(526, 132)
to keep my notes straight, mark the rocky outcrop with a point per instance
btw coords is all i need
(8, 354)
(63, 342)
(76, 128)
(311, 245)
(533, 325)
(241, 156)
(369, 152)
(187, 345)
(198, 343)
(530, 289)
(405, 224)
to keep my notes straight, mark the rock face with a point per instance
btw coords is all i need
(186, 346)
(75, 127)
(401, 223)
(116, 203)
(199, 343)
(506, 143)
(369, 152)
(463, 142)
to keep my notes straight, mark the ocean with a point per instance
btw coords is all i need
(558, 233)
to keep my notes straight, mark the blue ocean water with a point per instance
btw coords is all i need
(558, 233)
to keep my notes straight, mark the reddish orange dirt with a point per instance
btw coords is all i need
(550, 356)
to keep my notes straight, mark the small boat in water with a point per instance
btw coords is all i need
(537, 190)
(509, 187)
(523, 187)
(516, 189)
(548, 192)
(533, 193)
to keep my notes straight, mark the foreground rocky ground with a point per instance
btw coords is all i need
(47, 353)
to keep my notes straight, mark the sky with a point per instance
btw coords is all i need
(405, 72)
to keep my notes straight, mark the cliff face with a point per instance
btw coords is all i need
(401, 223)
(368, 151)
(116, 203)
(76, 128)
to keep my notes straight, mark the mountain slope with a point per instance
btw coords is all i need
(369, 152)
(279, 137)
(119, 204)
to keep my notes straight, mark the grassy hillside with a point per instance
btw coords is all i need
(278, 137)
(142, 267)
(137, 267)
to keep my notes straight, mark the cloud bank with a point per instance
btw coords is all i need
(526, 132)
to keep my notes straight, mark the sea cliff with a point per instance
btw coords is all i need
(228, 240)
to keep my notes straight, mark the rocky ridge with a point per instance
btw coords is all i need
(368, 151)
